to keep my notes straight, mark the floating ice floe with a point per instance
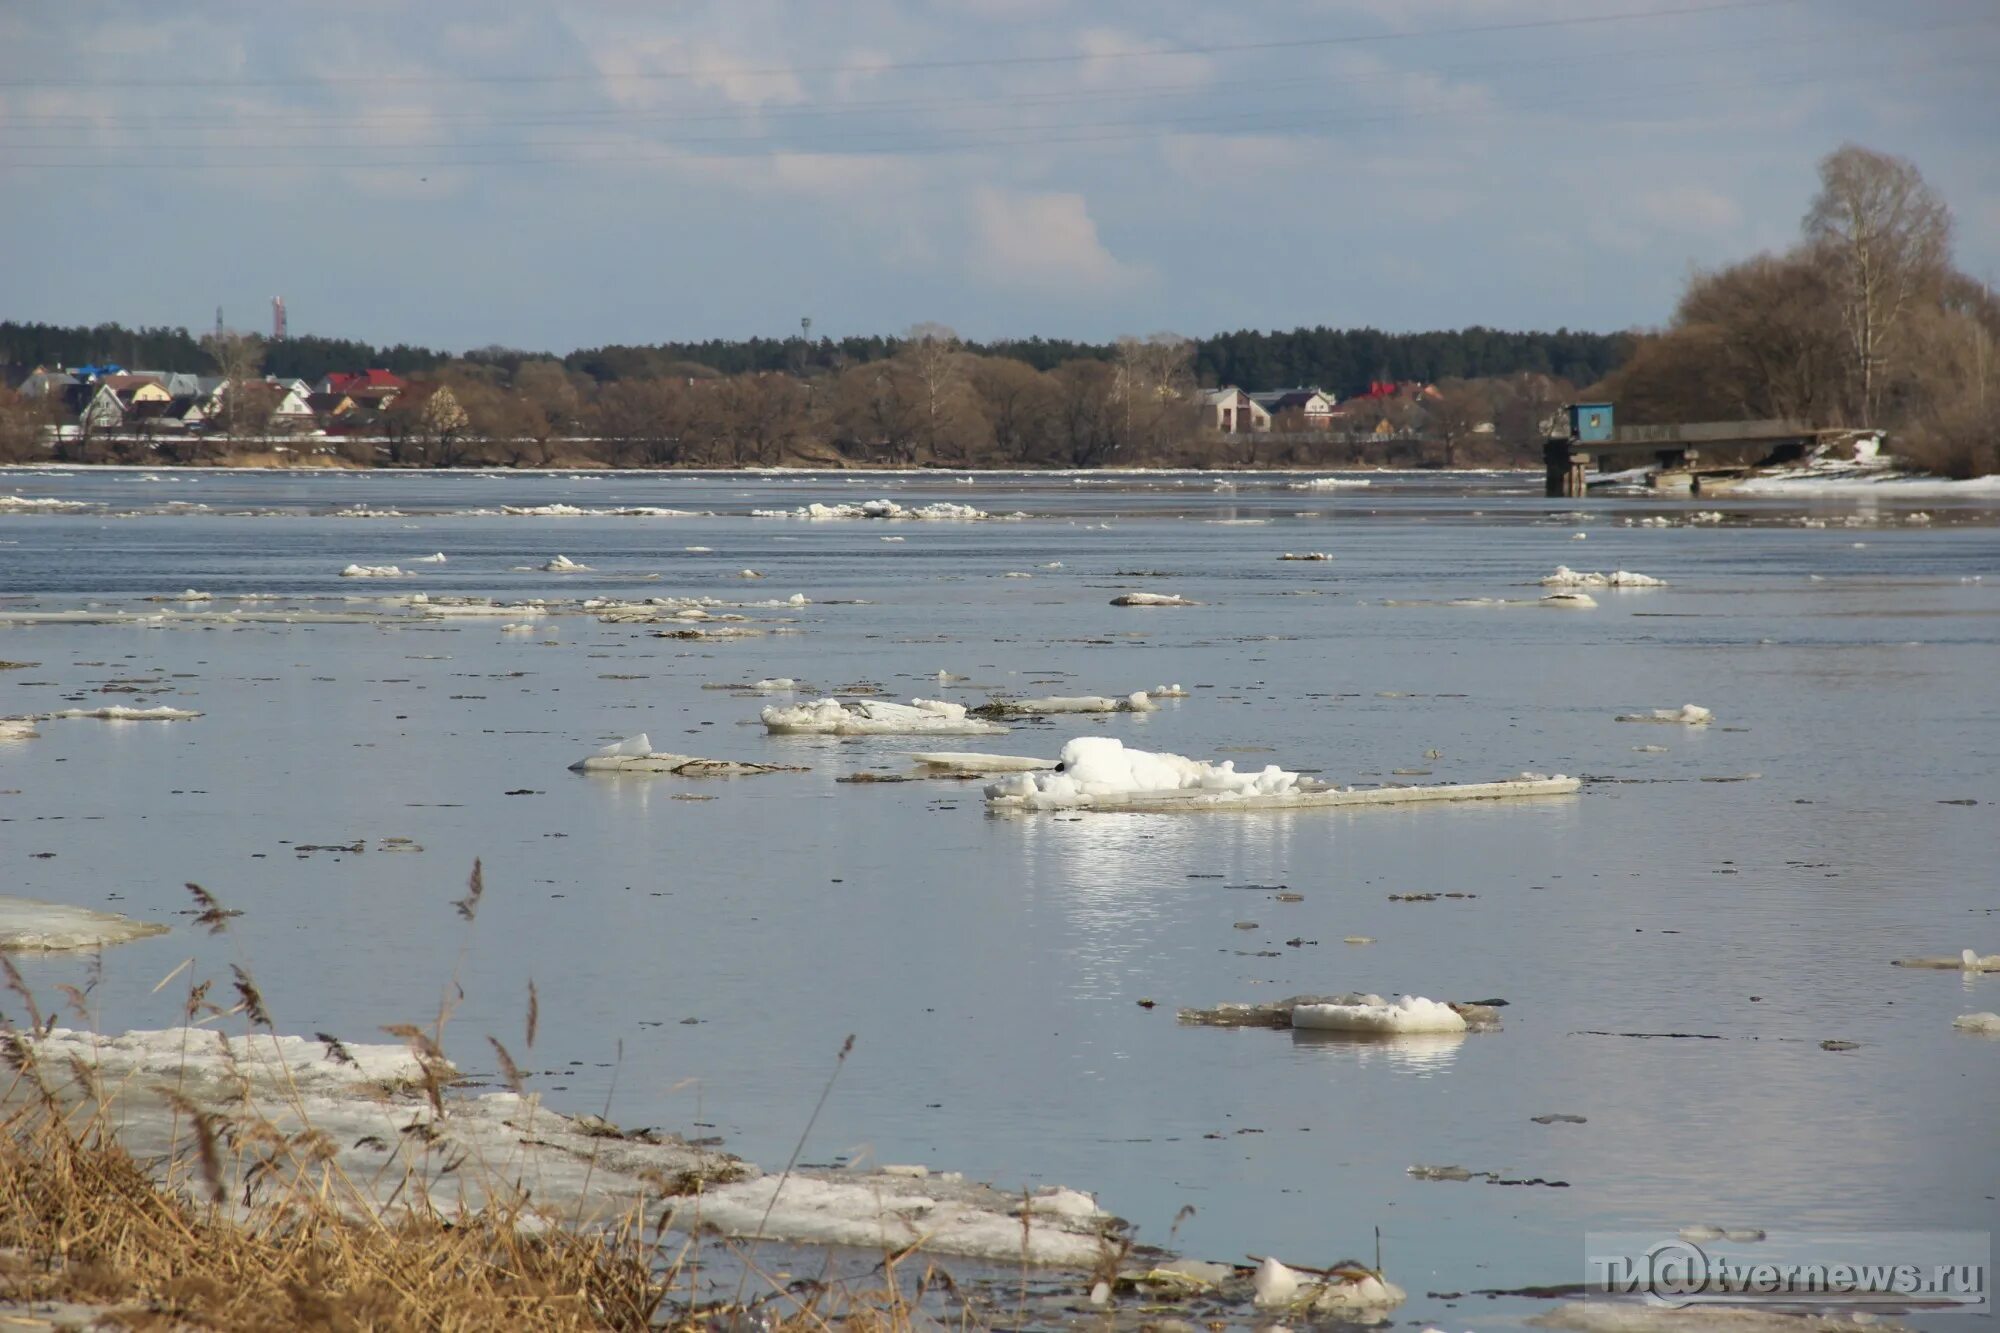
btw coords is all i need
(1152, 599)
(543, 511)
(1373, 1014)
(120, 713)
(1101, 773)
(27, 925)
(943, 509)
(519, 629)
(17, 729)
(372, 572)
(1355, 1291)
(436, 559)
(28, 504)
(562, 564)
(1306, 555)
(635, 754)
(776, 685)
(1284, 1013)
(1967, 961)
(1324, 484)
(875, 717)
(1565, 577)
(1168, 692)
(1136, 702)
(1687, 715)
(1987, 1023)
(187, 595)
(967, 761)
(475, 609)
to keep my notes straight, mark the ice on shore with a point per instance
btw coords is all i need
(1136, 702)
(968, 761)
(27, 925)
(1096, 768)
(875, 717)
(121, 713)
(943, 509)
(1355, 1292)
(562, 564)
(1968, 960)
(1151, 599)
(1565, 577)
(1687, 715)
(372, 572)
(400, 1155)
(635, 754)
(1373, 1014)
(1987, 1023)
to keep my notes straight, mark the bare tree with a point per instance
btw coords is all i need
(1887, 236)
(947, 415)
(1016, 401)
(22, 422)
(239, 360)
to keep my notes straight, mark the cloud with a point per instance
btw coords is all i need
(1043, 241)
(647, 72)
(1110, 63)
(1689, 208)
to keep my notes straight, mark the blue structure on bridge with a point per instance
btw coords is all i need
(1590, 422)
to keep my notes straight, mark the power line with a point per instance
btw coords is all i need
(908, 66)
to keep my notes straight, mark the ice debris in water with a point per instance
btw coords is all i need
(875, 717)
(1100, 767)
(1687, 715)
(635, 754)
(1306, 555)
(875, 509)
(372, 572)
(1576, 601)
(1136, 702)
(776, 684)
(26, 924)
(17, 729)
(1565, 577)
(1342, 1289)
(1324, 484)
(120, 713)
(1167, 692)
(562, 564)
(1373, 1014)
(436, 559)
(1152, 599)
(968, 761)
(1987, 1023)
(1968, 960)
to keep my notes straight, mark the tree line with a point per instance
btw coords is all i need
(1863, 322)
(1342, 361)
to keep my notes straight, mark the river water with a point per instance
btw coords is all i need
(699, 962)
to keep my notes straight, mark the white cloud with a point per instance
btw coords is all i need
(1689, 208)
(1043, 241)
(1111, 63)
(648, 72)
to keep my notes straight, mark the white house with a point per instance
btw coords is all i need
(1314, 406)
(1233, 412)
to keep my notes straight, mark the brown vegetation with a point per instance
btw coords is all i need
(1863, 323)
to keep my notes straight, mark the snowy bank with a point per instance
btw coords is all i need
(873, 717)
(26, 924)
(635, 754)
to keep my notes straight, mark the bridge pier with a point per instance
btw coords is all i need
(1566, 469)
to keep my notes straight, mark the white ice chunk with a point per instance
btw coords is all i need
(372, 572)
(1565, 577)
(1988, 1023)
(1687, 715)
(1096, 768)
(436, 559)
(777, 684)
(1570, 601)
(562, 564)
(1407, 1013)
(1324, 484)
(1136, 702)
(968, 761)
(873, 717)
(1152, 599)
(26, 924)
(120, 713)
(1275, 1284)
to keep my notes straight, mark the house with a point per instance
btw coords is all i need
(1314, 407)
(101, 408)
(1233, 412)
(136, 388)
(288, 405)
(44, 382)
(330, 408)
(374, 389)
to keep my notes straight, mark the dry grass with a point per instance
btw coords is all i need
(245, 1226)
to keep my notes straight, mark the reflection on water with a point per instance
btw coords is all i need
(1419, 1053)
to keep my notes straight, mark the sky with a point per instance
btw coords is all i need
(549, 176)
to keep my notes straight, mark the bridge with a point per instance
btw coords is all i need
(1679, 455)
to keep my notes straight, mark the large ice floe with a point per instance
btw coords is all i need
(562, 564)
(1687, 715)
(376, 1140)
(372, 572)
(1101, 773)
(1372, 1014)
(26, 924)
(122, 713)
(875, 717)
(1325, 483)
(635, 754)
(943, 509)
(968, 761)
(1987, 1023)
(1565, 577)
